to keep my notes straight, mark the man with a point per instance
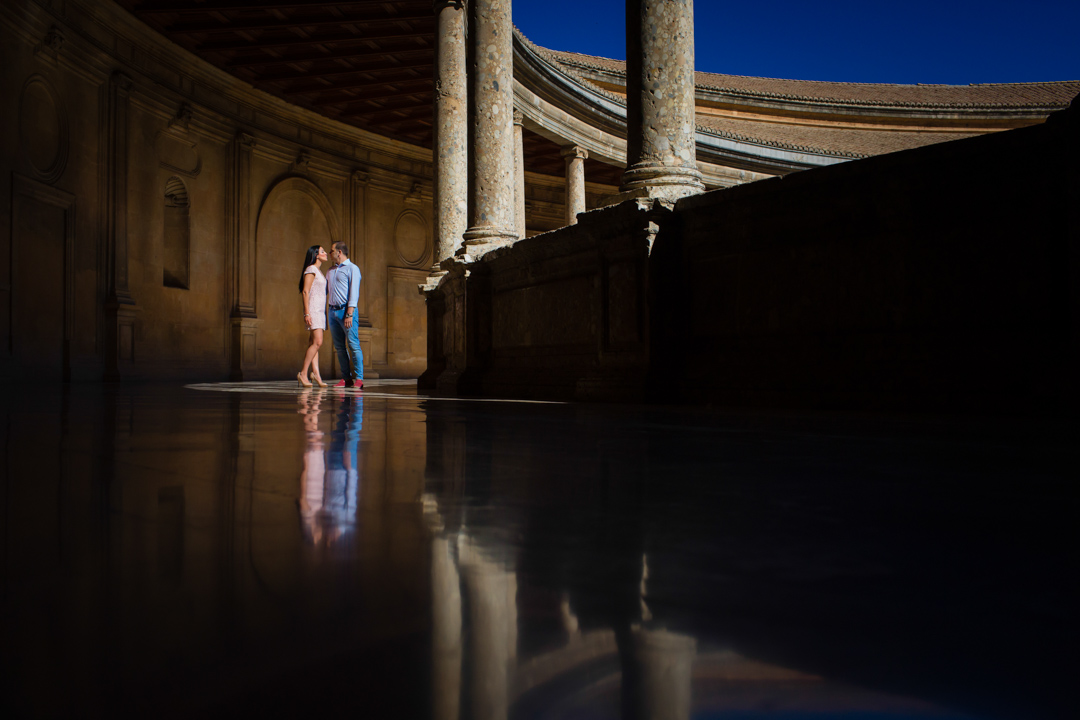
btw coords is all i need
(343, 292)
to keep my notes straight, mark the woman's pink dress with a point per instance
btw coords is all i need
(316, 304)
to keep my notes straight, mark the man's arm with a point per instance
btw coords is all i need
(354, 287)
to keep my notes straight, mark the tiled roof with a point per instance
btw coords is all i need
(845, 142)
(1036, 95)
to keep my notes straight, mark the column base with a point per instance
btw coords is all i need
(482, 240)
(432, 281)
(120, 317)
(243, 347)
(665, 182)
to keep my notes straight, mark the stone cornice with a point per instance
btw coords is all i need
(798, 102)
(569, 109)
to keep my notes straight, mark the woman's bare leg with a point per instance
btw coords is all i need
(315, 340)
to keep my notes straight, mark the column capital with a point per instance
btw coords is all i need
(574, 151)
(519, 117)
(245, 140)
(122, 80)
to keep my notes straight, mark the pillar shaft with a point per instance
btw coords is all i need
(491, 221)
(657, 675)
(451, 129)
(446, 646)
(661, 157)
(519, 176)
(575, 181)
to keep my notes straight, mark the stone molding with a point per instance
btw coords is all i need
(568, 110)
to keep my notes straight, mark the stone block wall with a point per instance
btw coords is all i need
(943, 277)
(561, 314)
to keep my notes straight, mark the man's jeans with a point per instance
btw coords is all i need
(341, 336)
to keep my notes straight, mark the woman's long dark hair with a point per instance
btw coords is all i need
(309, 260)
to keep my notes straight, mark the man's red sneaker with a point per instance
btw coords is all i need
(344, 383)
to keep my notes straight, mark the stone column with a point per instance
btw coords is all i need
(661, 157)
(491, 221)
(657, 683)
(451, 134)
(575, 181)
(519, 176)
(446, 643)
(492, 600)
(120, 307)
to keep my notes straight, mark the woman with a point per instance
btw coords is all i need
(313, 296)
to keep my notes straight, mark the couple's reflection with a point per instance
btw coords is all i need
(329, 483)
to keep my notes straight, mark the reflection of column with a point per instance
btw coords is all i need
(656, 686)
(451, 136)
(519, 176)
(491, 221)
(575, 181)
(119, 305)
(445, 631)
(240, 257)
(661, 156)
(493, 631)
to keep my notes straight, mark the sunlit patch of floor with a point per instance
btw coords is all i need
(391, 389)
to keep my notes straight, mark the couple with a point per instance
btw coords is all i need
(342, 285)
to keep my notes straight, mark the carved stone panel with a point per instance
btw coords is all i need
(406, 320)
(177, 153)
(411, 239)
(43, 130)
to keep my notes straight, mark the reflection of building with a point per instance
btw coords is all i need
(179, 158)
(635, 671)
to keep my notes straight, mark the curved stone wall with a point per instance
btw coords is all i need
(91, 156)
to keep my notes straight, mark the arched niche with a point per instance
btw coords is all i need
(294, 215)
(176, 256)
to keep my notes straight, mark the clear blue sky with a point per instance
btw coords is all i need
(949, 41)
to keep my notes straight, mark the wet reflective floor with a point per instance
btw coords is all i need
(254, 548)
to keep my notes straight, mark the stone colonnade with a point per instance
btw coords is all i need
(661, 160)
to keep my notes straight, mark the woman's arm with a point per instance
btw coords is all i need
(308, 280)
